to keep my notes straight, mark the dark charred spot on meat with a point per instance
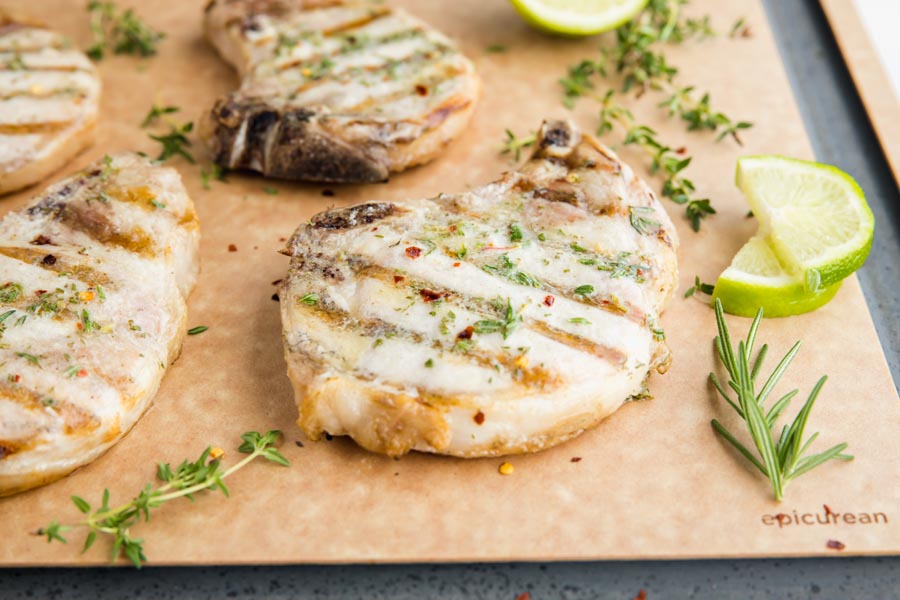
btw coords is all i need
(466, 334)
(353, 216)
(41, 240)
(431, 295)
(556, 135)
(7, 448)
(250, 23)
(413, 252)
(49, 260)
(565, 193)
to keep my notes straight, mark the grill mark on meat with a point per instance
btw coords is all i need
(61, 265)
(30, 128)
(88, 220)
(375, 13)
(76, 420)
(602, 352)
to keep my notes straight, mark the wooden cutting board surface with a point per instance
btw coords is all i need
(653, 480)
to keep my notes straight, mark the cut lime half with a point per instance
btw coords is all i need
(757, 279)
(578, 17)
(814, 216)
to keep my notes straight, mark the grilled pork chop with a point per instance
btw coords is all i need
(48, 102)
(334, 90)
(94, 276)
(502, 320)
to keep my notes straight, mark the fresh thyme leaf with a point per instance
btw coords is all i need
(123, 32)
(175, 142)
(309, 299)
(189, 478)
(779, 457)
(699, 287)
(579, 320)
(35, 360)
(156, 112)
(496, 48)
(515, 232)
(272, 191)
(197, 330)
(429, 363)
(505, 326)
(215, 172)
(10, 292)
(641, 224)
(584, 290)
(514, 144)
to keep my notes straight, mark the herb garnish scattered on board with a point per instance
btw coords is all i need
(780, 458)
(205, 473)
(121, 31)
(638, 59)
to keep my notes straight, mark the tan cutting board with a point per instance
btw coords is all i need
(869, 75)
(653, 480)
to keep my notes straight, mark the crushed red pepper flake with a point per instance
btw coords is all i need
(42, 240)
(835, 545)
(398, 278)
(524, 596)
(430, 295)
(456, 264)
(277, 281)
(421, 90)
(576, 459)
(641, 595)
(479, 417)
(681, 150)
(413, 252)
(82, 373)
(39, 293)
(232, 248)
(466, 334)
(298, 443)
(549, 300)
(17, 378)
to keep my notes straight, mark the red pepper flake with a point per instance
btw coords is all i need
(328, 193)
(835, 545)
(479, 417)
(298, 443)
(549, 300)
(42, 240)
(82, 373)
(282, 239)
(681, 150)
(641, 595)
(17, 378)
(576, 459)
(39, 293)
(49, 260)
(275, 297)
(466, 334)
(232, 248)
(431, 295)
(524, 596)
(374, 229)
(277, 281)
(456, 264)
(452, 228)
(421, 90)
(79, 325)
(413, 252)
(398, 278)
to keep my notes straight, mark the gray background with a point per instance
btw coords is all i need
(842, 135)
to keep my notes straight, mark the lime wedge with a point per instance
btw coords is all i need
(756, 279)
(814, 216)
(578, 17)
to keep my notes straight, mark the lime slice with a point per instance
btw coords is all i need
(814, 216)
(756, 279)
(578, 17)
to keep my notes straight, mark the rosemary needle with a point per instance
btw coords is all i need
(780, 458)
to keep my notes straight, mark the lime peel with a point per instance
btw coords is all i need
(578, 17)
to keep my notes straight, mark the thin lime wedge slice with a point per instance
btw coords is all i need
(578, 17)
(814, 216)
(757, 279)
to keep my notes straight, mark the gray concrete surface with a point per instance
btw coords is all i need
(841, 135)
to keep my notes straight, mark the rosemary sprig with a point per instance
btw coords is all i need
(205, 473)
(514, 144)
(123, 32)
(780, 458)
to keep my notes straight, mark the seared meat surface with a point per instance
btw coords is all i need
(49, 95)
(333, 90)
(501, 320)
(93, 280)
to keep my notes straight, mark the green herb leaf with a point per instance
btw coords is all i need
(197, 330)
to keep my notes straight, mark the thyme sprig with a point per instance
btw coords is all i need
(780, 458)
(123, 32)
(175, 142)
(665, 161)
(513, 144)
(189, 478)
